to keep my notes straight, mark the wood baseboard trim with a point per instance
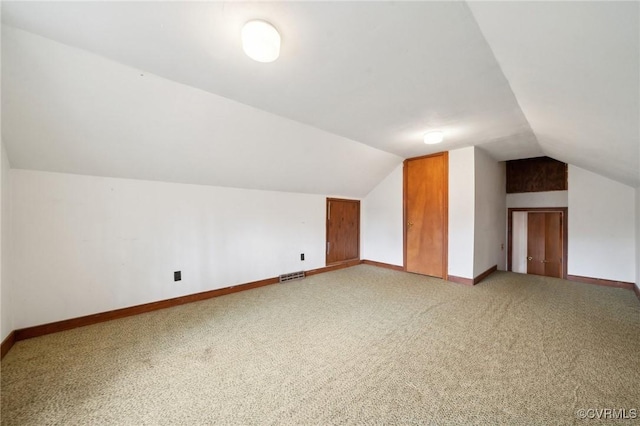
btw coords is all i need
(460, 280)
(7, 344)
(383, 265)
(603, 282)
(333, 267)
(485, 274)
(476, 280)
(54, 327)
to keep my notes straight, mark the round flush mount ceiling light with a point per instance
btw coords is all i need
(431, 138)
(261, 41)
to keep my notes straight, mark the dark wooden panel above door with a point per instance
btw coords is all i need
(536, 175)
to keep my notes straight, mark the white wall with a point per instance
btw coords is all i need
(87, 244)
(538, 199)
(382, 221)
(476, 232)
(6, 318)
(6, 306)
(461, 212)
(601, 227)
(638, 238)
(382, 236)
(490, 213)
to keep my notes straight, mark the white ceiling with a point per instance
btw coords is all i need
(353, 79)
(68, 111)
(574, 68)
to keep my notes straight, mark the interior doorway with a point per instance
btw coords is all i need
(343, 230)
(538, 241)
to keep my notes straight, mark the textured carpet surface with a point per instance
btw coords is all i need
(362, 345)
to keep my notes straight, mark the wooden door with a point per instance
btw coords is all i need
(426, 206)
(544, 244)
(535, 243)
(343, 230)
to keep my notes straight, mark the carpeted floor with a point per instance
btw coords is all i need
(362, 345)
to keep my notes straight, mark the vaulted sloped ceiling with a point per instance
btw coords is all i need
(574, 68)
(68, 111)
(163, 90)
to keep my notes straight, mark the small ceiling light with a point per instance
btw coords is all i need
(261, 41)
(431, 138)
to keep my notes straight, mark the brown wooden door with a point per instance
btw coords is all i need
(535, 243)
(343, 230)
(426, 199)
(544, 244)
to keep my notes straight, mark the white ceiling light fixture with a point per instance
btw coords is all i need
(261, 41)
(431, 138)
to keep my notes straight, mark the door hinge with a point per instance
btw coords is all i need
(328, 246)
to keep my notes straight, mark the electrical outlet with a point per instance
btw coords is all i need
(301, 256)
(177, 276)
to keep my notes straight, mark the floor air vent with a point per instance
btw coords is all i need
(292, 276)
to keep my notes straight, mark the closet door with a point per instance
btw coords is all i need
(538, 241)
(425, 214)
(544, 244)
(343, 230)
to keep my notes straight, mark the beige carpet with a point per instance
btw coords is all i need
(362, 345)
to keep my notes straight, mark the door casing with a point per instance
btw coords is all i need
(565, 233)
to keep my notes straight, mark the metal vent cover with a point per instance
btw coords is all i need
(291, 276)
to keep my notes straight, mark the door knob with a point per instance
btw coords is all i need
(529, 258)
